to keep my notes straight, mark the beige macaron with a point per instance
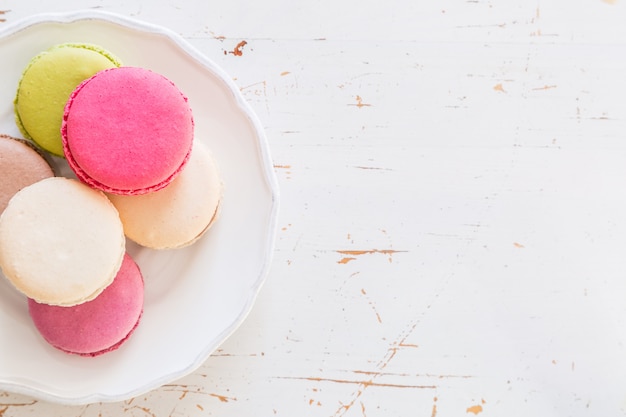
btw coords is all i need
(61, 242)
(179, 214)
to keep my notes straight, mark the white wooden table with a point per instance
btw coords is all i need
(452, 233)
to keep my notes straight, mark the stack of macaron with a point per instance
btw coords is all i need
(137, 172)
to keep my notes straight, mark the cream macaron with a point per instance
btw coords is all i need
(61, 242)
(179, 214)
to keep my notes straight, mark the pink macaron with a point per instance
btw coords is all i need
(127, 130)
(98, 326)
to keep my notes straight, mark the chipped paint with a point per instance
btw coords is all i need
(359, 102)
(238, 49)
(499, 87)
(476, 409)
(433, 413)
(366, 251)
(352, 254)
(345, 260)
(287, 169)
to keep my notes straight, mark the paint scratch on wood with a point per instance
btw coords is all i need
(372, 305)
(372, 168)
(145, 410)
(545, 87)
(5, 407)
(223, 398)
(437, 376)
(363, 383)
(380, 366)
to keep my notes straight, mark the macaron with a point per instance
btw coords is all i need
(61, 242)
(46, 84)
(179, 214)
(127, 130)
(97, 326)
(21, 164)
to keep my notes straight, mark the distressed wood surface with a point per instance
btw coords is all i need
(453, 221)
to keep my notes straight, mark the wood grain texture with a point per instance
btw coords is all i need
(452, 219)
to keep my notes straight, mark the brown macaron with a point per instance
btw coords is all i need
(20, 165)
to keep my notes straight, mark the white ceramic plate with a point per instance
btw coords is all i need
(195, 297)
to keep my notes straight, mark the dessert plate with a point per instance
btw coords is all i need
(194, 297)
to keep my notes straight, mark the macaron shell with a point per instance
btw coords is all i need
(46, 85)
(97, 326)
(127, 130)
(179, 214)
(20, 165)
(61, 242)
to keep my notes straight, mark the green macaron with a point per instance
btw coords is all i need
(46, 84)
